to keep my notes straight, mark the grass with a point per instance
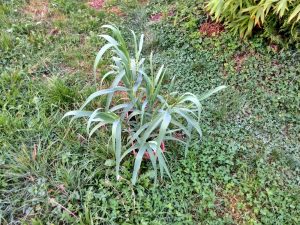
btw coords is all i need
(246, 171)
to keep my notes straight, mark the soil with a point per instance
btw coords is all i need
(211, 29)
(156, 16)
(97, 4)
(239, 60)
(233, 208)
(40, 10)
(144, 2)
(116, 10)
(37, 9)
(274, 47)
(146, 155)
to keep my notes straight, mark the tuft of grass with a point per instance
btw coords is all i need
(59, 93)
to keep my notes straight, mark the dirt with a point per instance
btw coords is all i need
(179, 135)
(54, 31)
(156, 17)
(239, 60)
(96, 4)
(275, 48)
(144, 2)
(233, 207)
(38, 9)
(115, 10)
(211, 29)
(100, 5)
(57, 16)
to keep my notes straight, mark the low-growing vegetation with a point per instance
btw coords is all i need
(246, 168)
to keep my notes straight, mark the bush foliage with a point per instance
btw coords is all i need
(244, 16)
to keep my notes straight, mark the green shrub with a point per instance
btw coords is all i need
(144, 118)
(243, 16)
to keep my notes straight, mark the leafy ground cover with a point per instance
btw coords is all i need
(246, 170)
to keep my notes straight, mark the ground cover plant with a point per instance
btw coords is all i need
(246, 170)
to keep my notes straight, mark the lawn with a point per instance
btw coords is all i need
(246, 170)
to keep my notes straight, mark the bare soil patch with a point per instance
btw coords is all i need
(96, 4)
(211, 29)
(156, 17)
(38, 9)
(239, 60)
(236, 206)
(115, 10)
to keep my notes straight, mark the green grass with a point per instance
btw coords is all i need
(246, 171)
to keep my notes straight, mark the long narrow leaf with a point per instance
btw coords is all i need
(77, 114)
(100, 93)
(96, 127)
(211, 92)
(130, 150)
(110, 39)
(153, 161)
(116, 140)
(141, 45)
(114, 85)
(100, 54)
(105, 76)
(163, 127)
(137, 164)
(190, 120)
